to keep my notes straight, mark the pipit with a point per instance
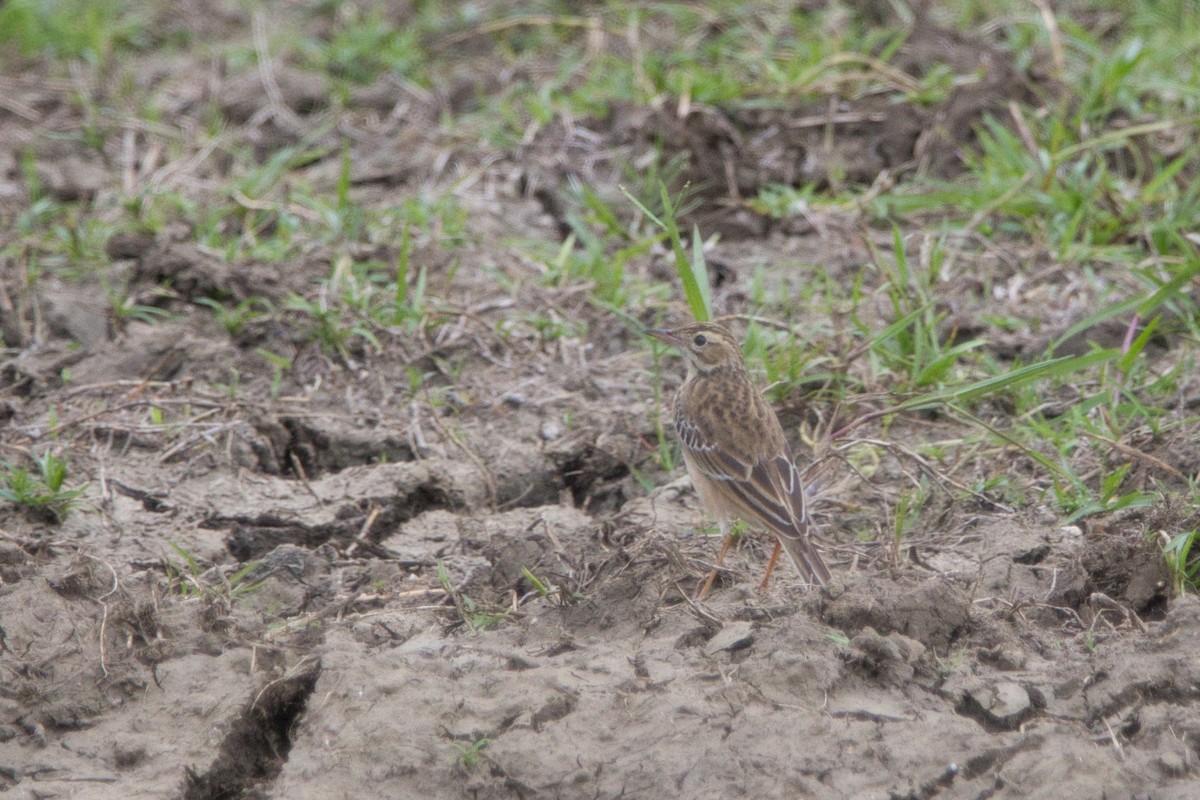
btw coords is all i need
(735, 451)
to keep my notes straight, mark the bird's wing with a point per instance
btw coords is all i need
(768, 489)
(794, 538)
(781, 474)
(770, 486)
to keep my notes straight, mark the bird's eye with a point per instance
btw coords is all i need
(700, 340)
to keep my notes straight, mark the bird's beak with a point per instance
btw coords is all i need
(664, 335)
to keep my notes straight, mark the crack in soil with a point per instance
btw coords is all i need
(259, 740)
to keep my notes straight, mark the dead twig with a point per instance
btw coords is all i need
(116, 583)
(303, 476)
(363, 532)
(489, 480)
(1151, 461)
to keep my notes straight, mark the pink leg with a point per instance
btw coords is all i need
(762, 587)
(712, 576)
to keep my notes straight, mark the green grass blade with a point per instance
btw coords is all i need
(1170, 288)
(693, 273)
(192, 565)
(1144, 304)
(1125, 363)
(402, 268)
(695, 283)
(1057, 367)
(1091, 320)
(891, 330)
(650, 215)
(683, 266)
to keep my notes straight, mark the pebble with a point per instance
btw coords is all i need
(1173, 764)
(734, 636)
(1005, 702)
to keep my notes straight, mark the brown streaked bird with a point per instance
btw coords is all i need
(736, 453)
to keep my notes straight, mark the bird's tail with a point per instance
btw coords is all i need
(806, 558)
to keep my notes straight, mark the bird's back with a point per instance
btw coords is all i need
(740, 461)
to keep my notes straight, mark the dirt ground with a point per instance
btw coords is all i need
(482, 587)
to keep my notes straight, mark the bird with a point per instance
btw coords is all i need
(735, 450)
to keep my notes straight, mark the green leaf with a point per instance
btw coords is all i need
(402, 268)
(1125, 363)
(937, 369)
(1145, 304)
(1169, 288)
(538, 585)
(693, 273)
(193, 567)
(699, 279)
(1055, 367)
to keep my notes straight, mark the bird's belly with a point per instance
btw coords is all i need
(711, 496)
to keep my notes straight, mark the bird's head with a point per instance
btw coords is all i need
(705, 345)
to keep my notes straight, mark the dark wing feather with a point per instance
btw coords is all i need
(767, 490)
(781, 472)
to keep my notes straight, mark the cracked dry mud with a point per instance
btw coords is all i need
(399, 643)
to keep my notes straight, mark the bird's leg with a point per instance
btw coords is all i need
(762, 587)
(712, 576)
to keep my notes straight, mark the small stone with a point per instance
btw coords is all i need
(125, 756)
(551, 430)
(1173, 764)
(1006, 658)
(128, 245)
(734, 636)
(890, 657)
(1011, 700)
(1005, 703)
